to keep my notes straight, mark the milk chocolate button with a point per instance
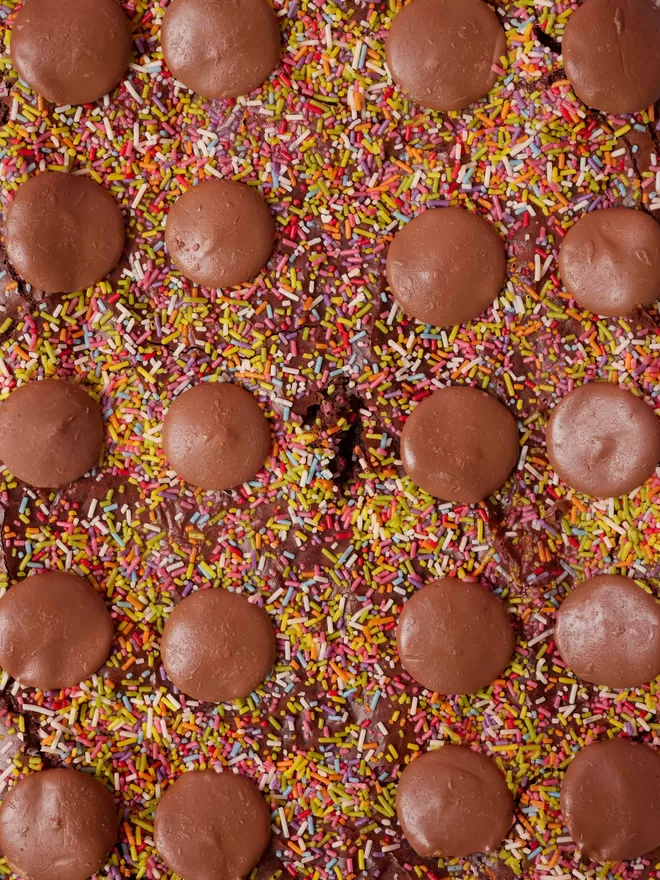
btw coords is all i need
(608, 632)
(454, 802)
(442, 52)
(610, 800)
(212, 825)
(71, 51)
(63, 233)
(611, 57)
(216, 436)
(51, 433)
(220, 233)
(460, 444)
(454, 637)
(55, 631)
(221, 48)
(446, 266)
(217, 646)
(57, 825)
(610, 261)
(602, 440)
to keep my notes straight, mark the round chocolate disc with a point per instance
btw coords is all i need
(442, 52)
(610, 261)
(71, 51)
(217, 646)
(602, 440)
(446, 266)
(610, 800)
(220, 233)
(57, 825)
(51, 433)
(454, 637)
(454, 802)
(212, 825)
(221, 48)
(460, 444)
(611, 57)
(55, 631)
(63, 233)
(216, 436)
(608, 632)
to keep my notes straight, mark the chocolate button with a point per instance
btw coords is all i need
(442, 52)
(221, 48)
(460, 444)
(216, 436)
(454, 637)
(71, 51)
(57, 825)
(608, 632)
(55, 631)
(611, 57)
(210, 825)
(217, 646)
(610, 800)
(63, 233)
(454, 802)
(602, 440)
(446, 266)
(610, 261)
(220, 233)
(51, 433)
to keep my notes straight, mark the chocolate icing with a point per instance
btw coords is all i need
(454, 802)
(610, 261)
(220, 233)
(221, 48)
(460, 444)
(442, 53)
(212, 825)
(610, 800)
(57, 825)
(217, 646)
(446, 266)
(216, 436)
(55, 630)
(454, 637)
(602, 440)
(51, 433)
(63, 233)
(71, 51)
(611, 57)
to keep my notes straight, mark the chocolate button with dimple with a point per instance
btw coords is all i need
(63, 232)
(611, 57)
(610, 800)
(71, 51)
(217, 646)
(221, 48)
(55, 630)
(610, 261)
(460, 444)
(51, 433)
(446, 266)
(454, 802)
(220, 233)
(608, 632)
(216, 436)
(602, 440)
(454, 637)
(442, 52)
(212, 825)
(57, 825)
